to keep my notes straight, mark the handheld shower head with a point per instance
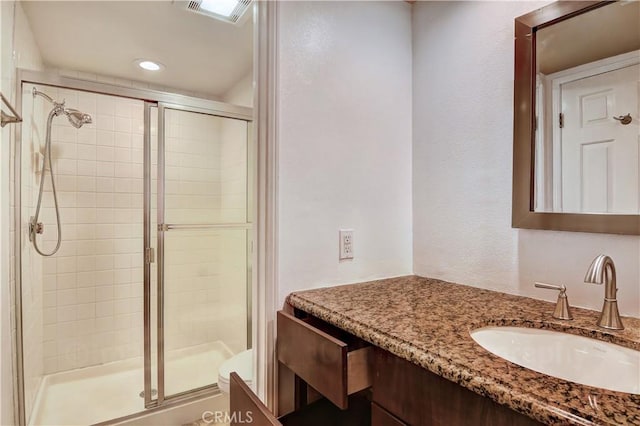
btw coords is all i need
(77, 118)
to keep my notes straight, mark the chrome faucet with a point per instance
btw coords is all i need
(602, 270)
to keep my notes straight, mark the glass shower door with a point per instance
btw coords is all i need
(203, 239)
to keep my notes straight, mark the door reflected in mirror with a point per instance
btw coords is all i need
(587, 132)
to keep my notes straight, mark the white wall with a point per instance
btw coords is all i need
(344, 141)
(462, 149)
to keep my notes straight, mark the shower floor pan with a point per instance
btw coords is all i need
(104, 392)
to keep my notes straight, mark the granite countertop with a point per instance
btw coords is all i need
(427, 321)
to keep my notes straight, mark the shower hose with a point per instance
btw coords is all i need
(33, 225)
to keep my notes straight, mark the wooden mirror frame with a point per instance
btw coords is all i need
(523, 214)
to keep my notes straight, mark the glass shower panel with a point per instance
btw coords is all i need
(205, 168)
(205, 232)
(205, 304)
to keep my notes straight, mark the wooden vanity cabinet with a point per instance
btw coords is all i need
(246, 408)
(406, 394)
(325, 371)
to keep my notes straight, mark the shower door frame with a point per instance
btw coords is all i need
(150, 98)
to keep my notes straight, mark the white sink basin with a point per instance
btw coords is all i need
(566, 356)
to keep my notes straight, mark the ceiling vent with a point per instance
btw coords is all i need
(231, 11)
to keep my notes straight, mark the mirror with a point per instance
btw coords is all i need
(577, 118)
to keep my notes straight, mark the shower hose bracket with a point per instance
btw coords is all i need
(35, 228)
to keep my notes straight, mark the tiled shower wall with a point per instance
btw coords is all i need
(92, 295)
(19, 50)
(32, 284)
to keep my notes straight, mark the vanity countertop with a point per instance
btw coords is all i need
(427, 321)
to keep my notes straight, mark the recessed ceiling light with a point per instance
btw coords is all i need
(149, 65)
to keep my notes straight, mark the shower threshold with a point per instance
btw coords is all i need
(108, 391)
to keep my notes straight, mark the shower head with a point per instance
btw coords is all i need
(77, 118)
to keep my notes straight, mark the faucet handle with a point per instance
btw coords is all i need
(562, 288)
(563, 310)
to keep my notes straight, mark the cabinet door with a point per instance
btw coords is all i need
(420, 397)
(381, 417)
(398, 387)
(245, 407)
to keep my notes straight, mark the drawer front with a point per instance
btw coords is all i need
(323, 361)
(315, 356)
(380, 417)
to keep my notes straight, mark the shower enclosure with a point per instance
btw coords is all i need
(149, 291)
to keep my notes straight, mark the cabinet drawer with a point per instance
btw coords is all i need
(380, 417)
(327, 359)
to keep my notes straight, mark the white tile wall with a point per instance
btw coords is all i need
(32, 264)
(92, 288)
(19, 50)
